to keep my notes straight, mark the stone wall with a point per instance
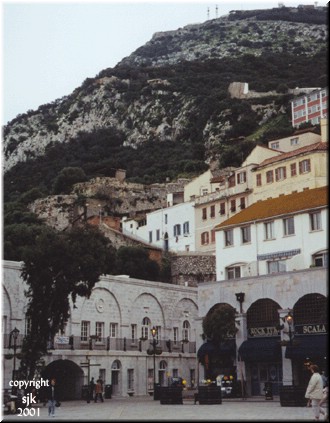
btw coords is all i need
(190, 269)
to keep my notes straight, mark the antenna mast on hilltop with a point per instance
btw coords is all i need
(208, 13)
(216, 11)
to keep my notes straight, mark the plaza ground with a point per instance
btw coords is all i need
(145, 408)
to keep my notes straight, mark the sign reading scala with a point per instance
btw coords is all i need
(264, 331)
(311, 329)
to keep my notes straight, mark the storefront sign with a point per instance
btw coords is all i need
(264, 331)
(311, 329)
(62, 340)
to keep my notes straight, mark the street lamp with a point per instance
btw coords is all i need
(289, 320)
(155, 350)
(240, 298)
(13, 336)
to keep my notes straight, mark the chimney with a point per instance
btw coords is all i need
(324, 129)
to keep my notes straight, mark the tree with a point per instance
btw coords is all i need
(219, 329)
(57, 266)
(135, 262)
(67, 178)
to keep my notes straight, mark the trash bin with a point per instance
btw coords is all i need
(107, 391)
(268, 391)
(85, 392)
(157, 391)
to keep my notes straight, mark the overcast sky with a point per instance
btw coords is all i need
(50, 48)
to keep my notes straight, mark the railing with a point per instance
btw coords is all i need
(110, 344)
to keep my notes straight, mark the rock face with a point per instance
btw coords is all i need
(147, 97)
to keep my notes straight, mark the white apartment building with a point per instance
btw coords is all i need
(281, 234)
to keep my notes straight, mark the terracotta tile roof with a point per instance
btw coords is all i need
(319, 146)
(305, 200)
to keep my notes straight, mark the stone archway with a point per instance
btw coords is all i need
(69, 378)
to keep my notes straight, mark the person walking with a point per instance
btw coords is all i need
(314, 391)
(98, 390)
(324, 405)
(91, 390)
(52, 397)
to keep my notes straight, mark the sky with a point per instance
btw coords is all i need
(49, 48)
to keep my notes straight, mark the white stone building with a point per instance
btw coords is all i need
(112, 331)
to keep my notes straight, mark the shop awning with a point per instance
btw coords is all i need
(311, 346)
(260, 349)
(211, 349)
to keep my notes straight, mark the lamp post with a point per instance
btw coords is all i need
(289, 320)
(155, 350)
(240, 298)
(13, 336)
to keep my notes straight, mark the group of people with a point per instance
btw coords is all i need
(317, 393)
(95, 390)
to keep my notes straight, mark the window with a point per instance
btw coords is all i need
(175, 335)
(205, 191)
(269, 230)
(185, 330)
(133, 331)
(229, 237)
(305, 166)
(246, 234)
(276, 266)
(85, 330)
(212, 213)
(205, 238)
(186, 228)
(321, 259)
(130, 379)
(150, 236)
(99, 330)
(294, 141)
(269, 176)
(275, 145)
(165, 218)
(280, 173)
(293, 168)
(113, 330)
(288, 226)
(145, 328)
(315, 221)
(231, 181)
(204, 213)
(157, 234)
(241, 177)
(258, 178)
(233, 272)
(233, 205)
(222, 208)
(177, 230)
(212, 236)
(242, 203)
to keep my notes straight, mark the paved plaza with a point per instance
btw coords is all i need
(145, 408)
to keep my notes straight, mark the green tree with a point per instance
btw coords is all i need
(58, 266)
(218, 328)
(67, 178)
(135, 262)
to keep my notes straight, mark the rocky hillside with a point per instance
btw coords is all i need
(174, 90)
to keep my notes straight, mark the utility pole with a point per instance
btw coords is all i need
(88, 365)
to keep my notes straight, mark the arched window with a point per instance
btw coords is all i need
(262, 313)
(145, 330)
(310, 309)
(185, 330)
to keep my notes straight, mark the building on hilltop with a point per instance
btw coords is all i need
(310, 107)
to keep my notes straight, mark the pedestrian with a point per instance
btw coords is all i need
(314, 391)
(324, 403)
(91, 389)
(98, 390)
(52, 397)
